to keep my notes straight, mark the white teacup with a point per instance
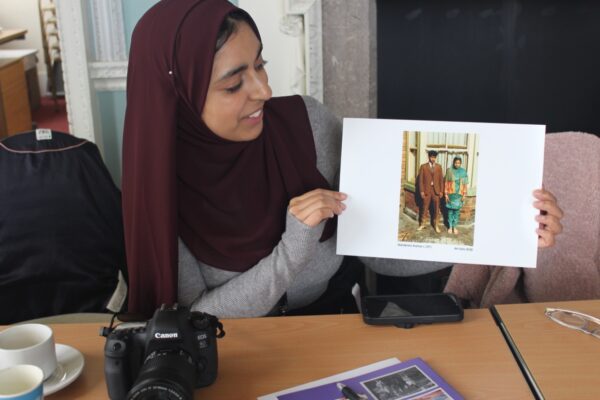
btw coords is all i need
(28, 344)
(21, 382)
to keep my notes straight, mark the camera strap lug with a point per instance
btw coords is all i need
(282, 305)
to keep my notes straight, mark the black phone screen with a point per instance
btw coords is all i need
(420, 305)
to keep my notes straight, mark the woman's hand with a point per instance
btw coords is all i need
(317, 205)
(549, 217)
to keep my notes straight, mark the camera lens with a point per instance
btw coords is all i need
(165, 375)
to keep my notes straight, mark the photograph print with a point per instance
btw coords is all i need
(438, 188)
(438, 394)
(454, 192)
(399, 385)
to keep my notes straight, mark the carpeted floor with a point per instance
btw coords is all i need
(50, 115)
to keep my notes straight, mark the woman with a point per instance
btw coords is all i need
(225, 197)
(455, 191)
(226, 192)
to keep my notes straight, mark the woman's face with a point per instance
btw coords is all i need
(457, 164)
(238, 88)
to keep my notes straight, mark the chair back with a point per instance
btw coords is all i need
(61, 230)
(570, 270)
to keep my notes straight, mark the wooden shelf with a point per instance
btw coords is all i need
(6, 35)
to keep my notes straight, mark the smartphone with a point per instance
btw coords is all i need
(410, 309)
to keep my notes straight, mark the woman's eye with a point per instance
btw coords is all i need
(261, 65)
(235, 88)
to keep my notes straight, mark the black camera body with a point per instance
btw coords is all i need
(169, 355)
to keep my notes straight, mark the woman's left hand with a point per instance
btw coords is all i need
(549, 217)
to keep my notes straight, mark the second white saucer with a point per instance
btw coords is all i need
(69, 366)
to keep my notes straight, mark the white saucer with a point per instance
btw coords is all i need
(69, 366)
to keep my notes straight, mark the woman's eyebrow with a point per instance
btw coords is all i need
(233, 72)
(240, 68)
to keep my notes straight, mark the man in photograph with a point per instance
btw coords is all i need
(431, 186)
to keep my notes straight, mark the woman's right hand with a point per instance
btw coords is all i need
(317, 205)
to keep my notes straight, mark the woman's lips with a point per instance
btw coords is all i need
(255, 117)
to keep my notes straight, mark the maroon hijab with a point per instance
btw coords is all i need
(226, 200)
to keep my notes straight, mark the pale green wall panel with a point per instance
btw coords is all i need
(112, 104)
(112, 109)
(132, 12)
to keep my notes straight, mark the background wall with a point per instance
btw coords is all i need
(503, 61)
(132, 11)
(283, 49)
(284, 52)
(24, 14)
(350, 58)
(112, 103)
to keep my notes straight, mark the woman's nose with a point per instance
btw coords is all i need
(260, 87)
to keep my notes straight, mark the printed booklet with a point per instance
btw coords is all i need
(387, 380)
(455, 192)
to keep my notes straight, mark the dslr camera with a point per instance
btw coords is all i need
(165, 357)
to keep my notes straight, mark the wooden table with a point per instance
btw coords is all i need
(564, 363)
(6, 35)
(263, 355)
(15, 113)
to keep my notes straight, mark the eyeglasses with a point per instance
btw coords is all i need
(575, 320)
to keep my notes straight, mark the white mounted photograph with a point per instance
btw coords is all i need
(457, 192)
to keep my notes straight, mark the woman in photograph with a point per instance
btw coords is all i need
(228, 194)
(455, 191)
